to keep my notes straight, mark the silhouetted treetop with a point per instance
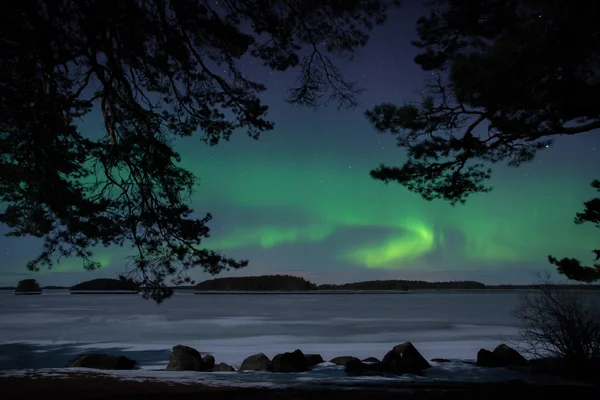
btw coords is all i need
(154, 70)
(571, 267)
(506, 76)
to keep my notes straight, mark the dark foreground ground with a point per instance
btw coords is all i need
(95, 387)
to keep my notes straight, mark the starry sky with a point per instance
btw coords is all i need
(300, 201)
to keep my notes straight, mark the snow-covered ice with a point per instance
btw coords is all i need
(46, 331)
(322, 375)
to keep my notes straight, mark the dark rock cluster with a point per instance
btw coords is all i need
(402, 359)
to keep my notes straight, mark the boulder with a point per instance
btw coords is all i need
(509, 356)
(343, 360)
(356, 367)
(404, 359)
(440, 360)
(256, 362)
(502, 356)
(486, 358)
(209, 361)
(222, 367)
(184, 358)
(371, 360)
(313, 359)
(289, 362)
(101, 361)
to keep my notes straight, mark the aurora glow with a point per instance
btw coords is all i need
(300, 200)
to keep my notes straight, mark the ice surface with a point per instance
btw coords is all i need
(46, 331)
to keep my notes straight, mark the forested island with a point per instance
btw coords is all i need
(28, 286)
(294, 283)
(258, 283)
(106, 285)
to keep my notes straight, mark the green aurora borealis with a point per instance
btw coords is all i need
(312, 203)
(300, 200)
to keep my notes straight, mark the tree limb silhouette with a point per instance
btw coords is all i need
(155, 70)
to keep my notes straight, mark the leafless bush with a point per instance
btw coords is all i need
(561, 323)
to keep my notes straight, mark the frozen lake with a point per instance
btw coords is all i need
(46, 331)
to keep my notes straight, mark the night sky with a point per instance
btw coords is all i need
(300, 201)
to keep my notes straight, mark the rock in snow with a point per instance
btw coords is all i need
(313, 359)
(185, 358)
(404, 359)
(502, 356)
(289, 362)
(343, 360)
(209, 361)
(256, 362)
(358, 368)
(222, 367)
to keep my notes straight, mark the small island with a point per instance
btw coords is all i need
(106, 286)
(262, 283)
(28, 287)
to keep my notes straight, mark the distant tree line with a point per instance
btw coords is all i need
(404, 285)
(107, 284)
(294, 283)
(287, 282)
(265, 282)
(546, 287)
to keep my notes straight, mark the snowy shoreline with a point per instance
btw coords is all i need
(83, 384)
(45, 332)
(325, 374)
